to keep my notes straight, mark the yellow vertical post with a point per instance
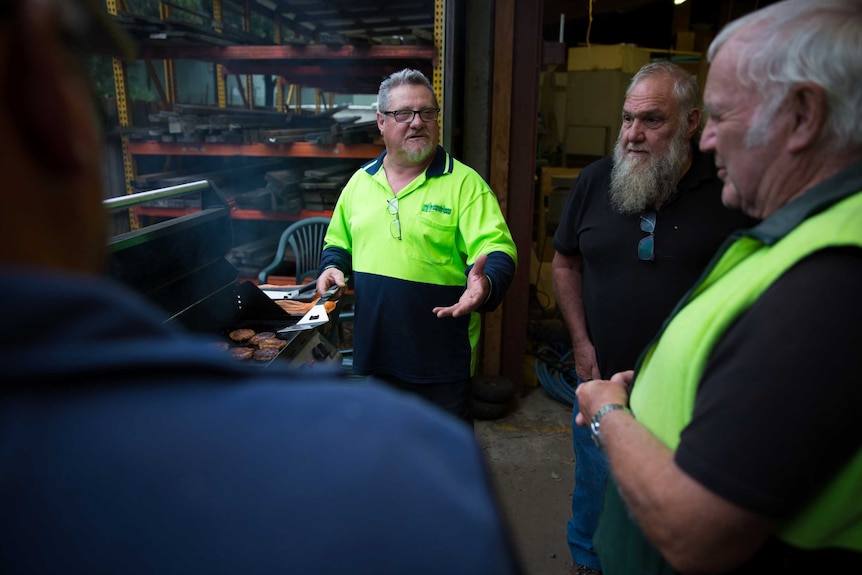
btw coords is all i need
(290, 91)
(249, 78)
(122, 96)
(221, 88)
(279, 85)
(439, 42)
(168, 64)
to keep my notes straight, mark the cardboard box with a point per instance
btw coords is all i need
(626, 57)
(594, 105)
(684, 41)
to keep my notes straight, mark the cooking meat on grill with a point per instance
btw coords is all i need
(242, 352)
(241, 334)
(271, 342)
(256, 339)
(266, 353)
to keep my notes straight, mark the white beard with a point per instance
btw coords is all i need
(639, 184)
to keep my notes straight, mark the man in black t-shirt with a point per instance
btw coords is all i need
(636, 232)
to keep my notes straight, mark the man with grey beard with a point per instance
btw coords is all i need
(640, 182)
(424, 239)
(637, 230)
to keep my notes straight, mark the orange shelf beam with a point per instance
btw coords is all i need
(314, 53)
(294, 150)
(235, 213)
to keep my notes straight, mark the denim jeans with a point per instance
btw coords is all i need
(591, 473)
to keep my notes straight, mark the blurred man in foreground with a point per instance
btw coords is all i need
(128, 447)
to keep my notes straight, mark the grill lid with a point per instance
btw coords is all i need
(179, 262)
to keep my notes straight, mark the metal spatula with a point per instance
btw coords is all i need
(314, 317)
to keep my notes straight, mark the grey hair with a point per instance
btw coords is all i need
(685, 87)
(404, 77)
(798, 41)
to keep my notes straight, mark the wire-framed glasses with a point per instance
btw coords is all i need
(406, 116)
(394, 225)
(646, 246)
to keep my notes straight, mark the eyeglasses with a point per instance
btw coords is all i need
(406, 116)
(647, 244)
(394, 225)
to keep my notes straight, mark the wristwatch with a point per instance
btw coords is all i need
(596, 421)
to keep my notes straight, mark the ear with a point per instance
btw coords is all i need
(694, 121)
(48, 92)
(380, 119)
(808, 105)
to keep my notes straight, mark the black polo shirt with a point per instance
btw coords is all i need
(626, 300)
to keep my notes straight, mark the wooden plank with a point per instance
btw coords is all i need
(504, 24)
(524, 80)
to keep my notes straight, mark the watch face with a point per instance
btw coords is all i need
(594, 431)
(596, 421)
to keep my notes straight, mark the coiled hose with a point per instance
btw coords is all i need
(556, 374)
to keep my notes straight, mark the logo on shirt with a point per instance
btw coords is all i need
(436, 208)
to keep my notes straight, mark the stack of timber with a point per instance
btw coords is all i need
(321, 186)
(232, 178)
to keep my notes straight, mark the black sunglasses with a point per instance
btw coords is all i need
(646, 246)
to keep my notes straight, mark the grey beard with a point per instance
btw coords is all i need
(418, 156)
(421, 155)
(638, 185)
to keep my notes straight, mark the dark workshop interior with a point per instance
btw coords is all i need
(271, 103)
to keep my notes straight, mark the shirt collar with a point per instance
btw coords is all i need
(443, 163)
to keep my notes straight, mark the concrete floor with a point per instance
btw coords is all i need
(529, 454)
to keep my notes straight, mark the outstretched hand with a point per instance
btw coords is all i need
(478, 289)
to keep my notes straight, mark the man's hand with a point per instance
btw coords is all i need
(478, 289)
(586, 365)
(330, 277)
(592, 395)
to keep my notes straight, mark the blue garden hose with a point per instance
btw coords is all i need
(556, 374)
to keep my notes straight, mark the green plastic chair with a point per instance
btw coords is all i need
(305, 238)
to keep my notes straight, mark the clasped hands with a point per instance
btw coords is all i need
(595, 393)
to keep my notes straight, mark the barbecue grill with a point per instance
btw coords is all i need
(180, 265)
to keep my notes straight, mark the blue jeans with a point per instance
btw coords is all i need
(591, 472)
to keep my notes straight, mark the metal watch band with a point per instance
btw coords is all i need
(595, 422)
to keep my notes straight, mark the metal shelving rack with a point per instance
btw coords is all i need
(354, 69)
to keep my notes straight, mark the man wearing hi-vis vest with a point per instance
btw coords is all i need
(426, 243)
(735, 444)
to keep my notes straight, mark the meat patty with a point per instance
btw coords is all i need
(240, 335)
(271, 342)
(256, 339)
(266, 353)
(242, 352)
